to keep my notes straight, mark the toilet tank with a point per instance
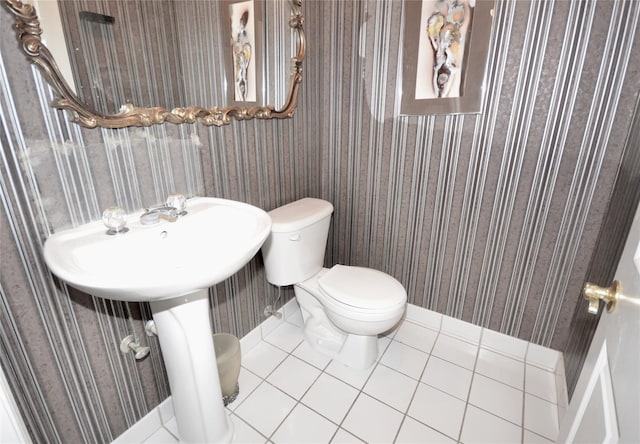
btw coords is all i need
(294, 251)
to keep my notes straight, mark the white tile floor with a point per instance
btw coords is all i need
(434, 382)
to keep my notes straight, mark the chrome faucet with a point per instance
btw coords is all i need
(152, 215)
(171, 210)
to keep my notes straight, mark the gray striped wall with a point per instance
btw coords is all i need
(492, 218)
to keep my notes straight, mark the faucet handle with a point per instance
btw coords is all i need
(115, 220)
(177, 201)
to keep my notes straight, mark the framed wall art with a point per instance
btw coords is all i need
(444, 55)
(245, 19)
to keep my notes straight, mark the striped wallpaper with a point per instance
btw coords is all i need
(491, 218)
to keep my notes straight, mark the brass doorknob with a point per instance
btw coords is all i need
(594, 294)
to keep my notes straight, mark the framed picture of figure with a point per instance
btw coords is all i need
(244, 65)
(444, 55)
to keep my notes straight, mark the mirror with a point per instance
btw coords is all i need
(234, 51)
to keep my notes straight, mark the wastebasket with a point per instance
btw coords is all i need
(227, 348)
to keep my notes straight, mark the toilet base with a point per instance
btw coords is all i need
(349, 349)
(358, 352)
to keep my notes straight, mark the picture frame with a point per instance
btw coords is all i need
(442, 74)
(244, 56)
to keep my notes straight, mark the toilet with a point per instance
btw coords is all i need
(344, 308)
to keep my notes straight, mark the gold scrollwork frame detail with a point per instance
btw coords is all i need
(28, 31)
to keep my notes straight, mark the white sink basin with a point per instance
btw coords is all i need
(171, 265)
(152, 262)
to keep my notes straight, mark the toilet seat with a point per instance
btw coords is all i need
(360, 289)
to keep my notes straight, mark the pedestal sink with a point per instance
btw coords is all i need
(171, 265)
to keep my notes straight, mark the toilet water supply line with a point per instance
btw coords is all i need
(270, 310)
(132, 342)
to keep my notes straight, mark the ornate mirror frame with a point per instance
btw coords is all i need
(28, 31)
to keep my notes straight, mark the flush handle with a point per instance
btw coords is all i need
(594, 294)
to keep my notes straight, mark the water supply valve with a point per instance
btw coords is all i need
(132, 344)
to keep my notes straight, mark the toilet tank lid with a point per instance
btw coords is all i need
(299, 214)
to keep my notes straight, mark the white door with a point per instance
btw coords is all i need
(605, 407)
(12, 428)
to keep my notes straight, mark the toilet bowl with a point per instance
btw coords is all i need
(344, 308)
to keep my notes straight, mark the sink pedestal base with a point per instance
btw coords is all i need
(184, 331)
